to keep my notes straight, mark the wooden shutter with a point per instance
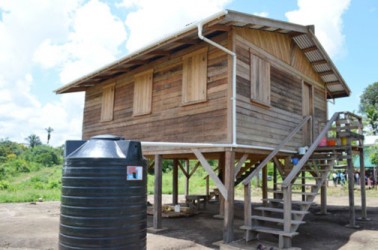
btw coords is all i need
(260, 80)
(107, 102)
(143, 93)
(194, 83)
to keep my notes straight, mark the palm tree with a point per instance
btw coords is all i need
(33, 140)
(49, 130)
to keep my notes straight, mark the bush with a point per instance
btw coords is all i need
(45, 155)
(4, 185)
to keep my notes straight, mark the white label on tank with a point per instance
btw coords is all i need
(134, 173)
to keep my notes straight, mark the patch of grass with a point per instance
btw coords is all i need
(44, 183)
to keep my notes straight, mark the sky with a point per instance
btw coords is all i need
(46, 44)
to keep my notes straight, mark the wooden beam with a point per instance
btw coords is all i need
(194, 169)
(175, 182)
(319, 62)
(183, 169)
(333, 83)
(240, 164)
(186, 41)
(325, 73)
(211, 173)
(228, 230)
(157, 193)
(219, 27)
(279, 166)
(309, 49)
(159, 53)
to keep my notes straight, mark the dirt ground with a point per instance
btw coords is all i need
(36, 226)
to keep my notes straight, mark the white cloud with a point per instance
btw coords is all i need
(70, 37)
(262, 14)
(93, 41)
(326, 15)
(149, 20)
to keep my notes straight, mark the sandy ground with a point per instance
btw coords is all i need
(35, 226)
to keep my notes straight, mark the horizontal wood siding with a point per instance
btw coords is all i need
(170, 120)
(268, 126)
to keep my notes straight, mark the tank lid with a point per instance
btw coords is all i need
(107, 137)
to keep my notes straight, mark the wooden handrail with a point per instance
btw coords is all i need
(353, 115)
(276, 150)
(294, 172)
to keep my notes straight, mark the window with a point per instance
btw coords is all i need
(107, 103)
(143, 93)
(194, 83)
(260, 80)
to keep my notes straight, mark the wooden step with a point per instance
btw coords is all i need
(315, 170)
(296, 192)
(277, 220)
(280, 210)
(269, 230)
(292, 202)
(310, 177)
(300, 184)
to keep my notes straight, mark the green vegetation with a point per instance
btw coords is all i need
(29, 173)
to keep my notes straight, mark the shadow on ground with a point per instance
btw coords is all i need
(320, 231)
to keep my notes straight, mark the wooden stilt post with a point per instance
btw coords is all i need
(265, 184)
(157, 193)
(249, 235)
(187, 162)
(208, 187)
(175, 182)
(303, 185)
(221, 171)
(352, 212)
(323, 198)
(228, 232)
(362, 183)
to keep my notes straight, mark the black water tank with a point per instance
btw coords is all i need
(104, 196)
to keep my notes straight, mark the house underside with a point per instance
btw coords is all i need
(285, 206)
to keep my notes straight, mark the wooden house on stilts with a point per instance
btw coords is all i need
(242, 90)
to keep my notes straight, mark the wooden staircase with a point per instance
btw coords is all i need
(285, 208)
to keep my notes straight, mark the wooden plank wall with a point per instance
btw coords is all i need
(268, 126)
(280, 46)
(320, 109)
(170, 120)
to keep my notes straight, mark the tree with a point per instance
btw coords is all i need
(372, 119)
(369, 98)
(49, 131)
(369, 106)
(33, 140)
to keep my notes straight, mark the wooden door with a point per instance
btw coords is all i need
(307, 109)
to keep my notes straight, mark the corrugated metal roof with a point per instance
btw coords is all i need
(303, 36)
